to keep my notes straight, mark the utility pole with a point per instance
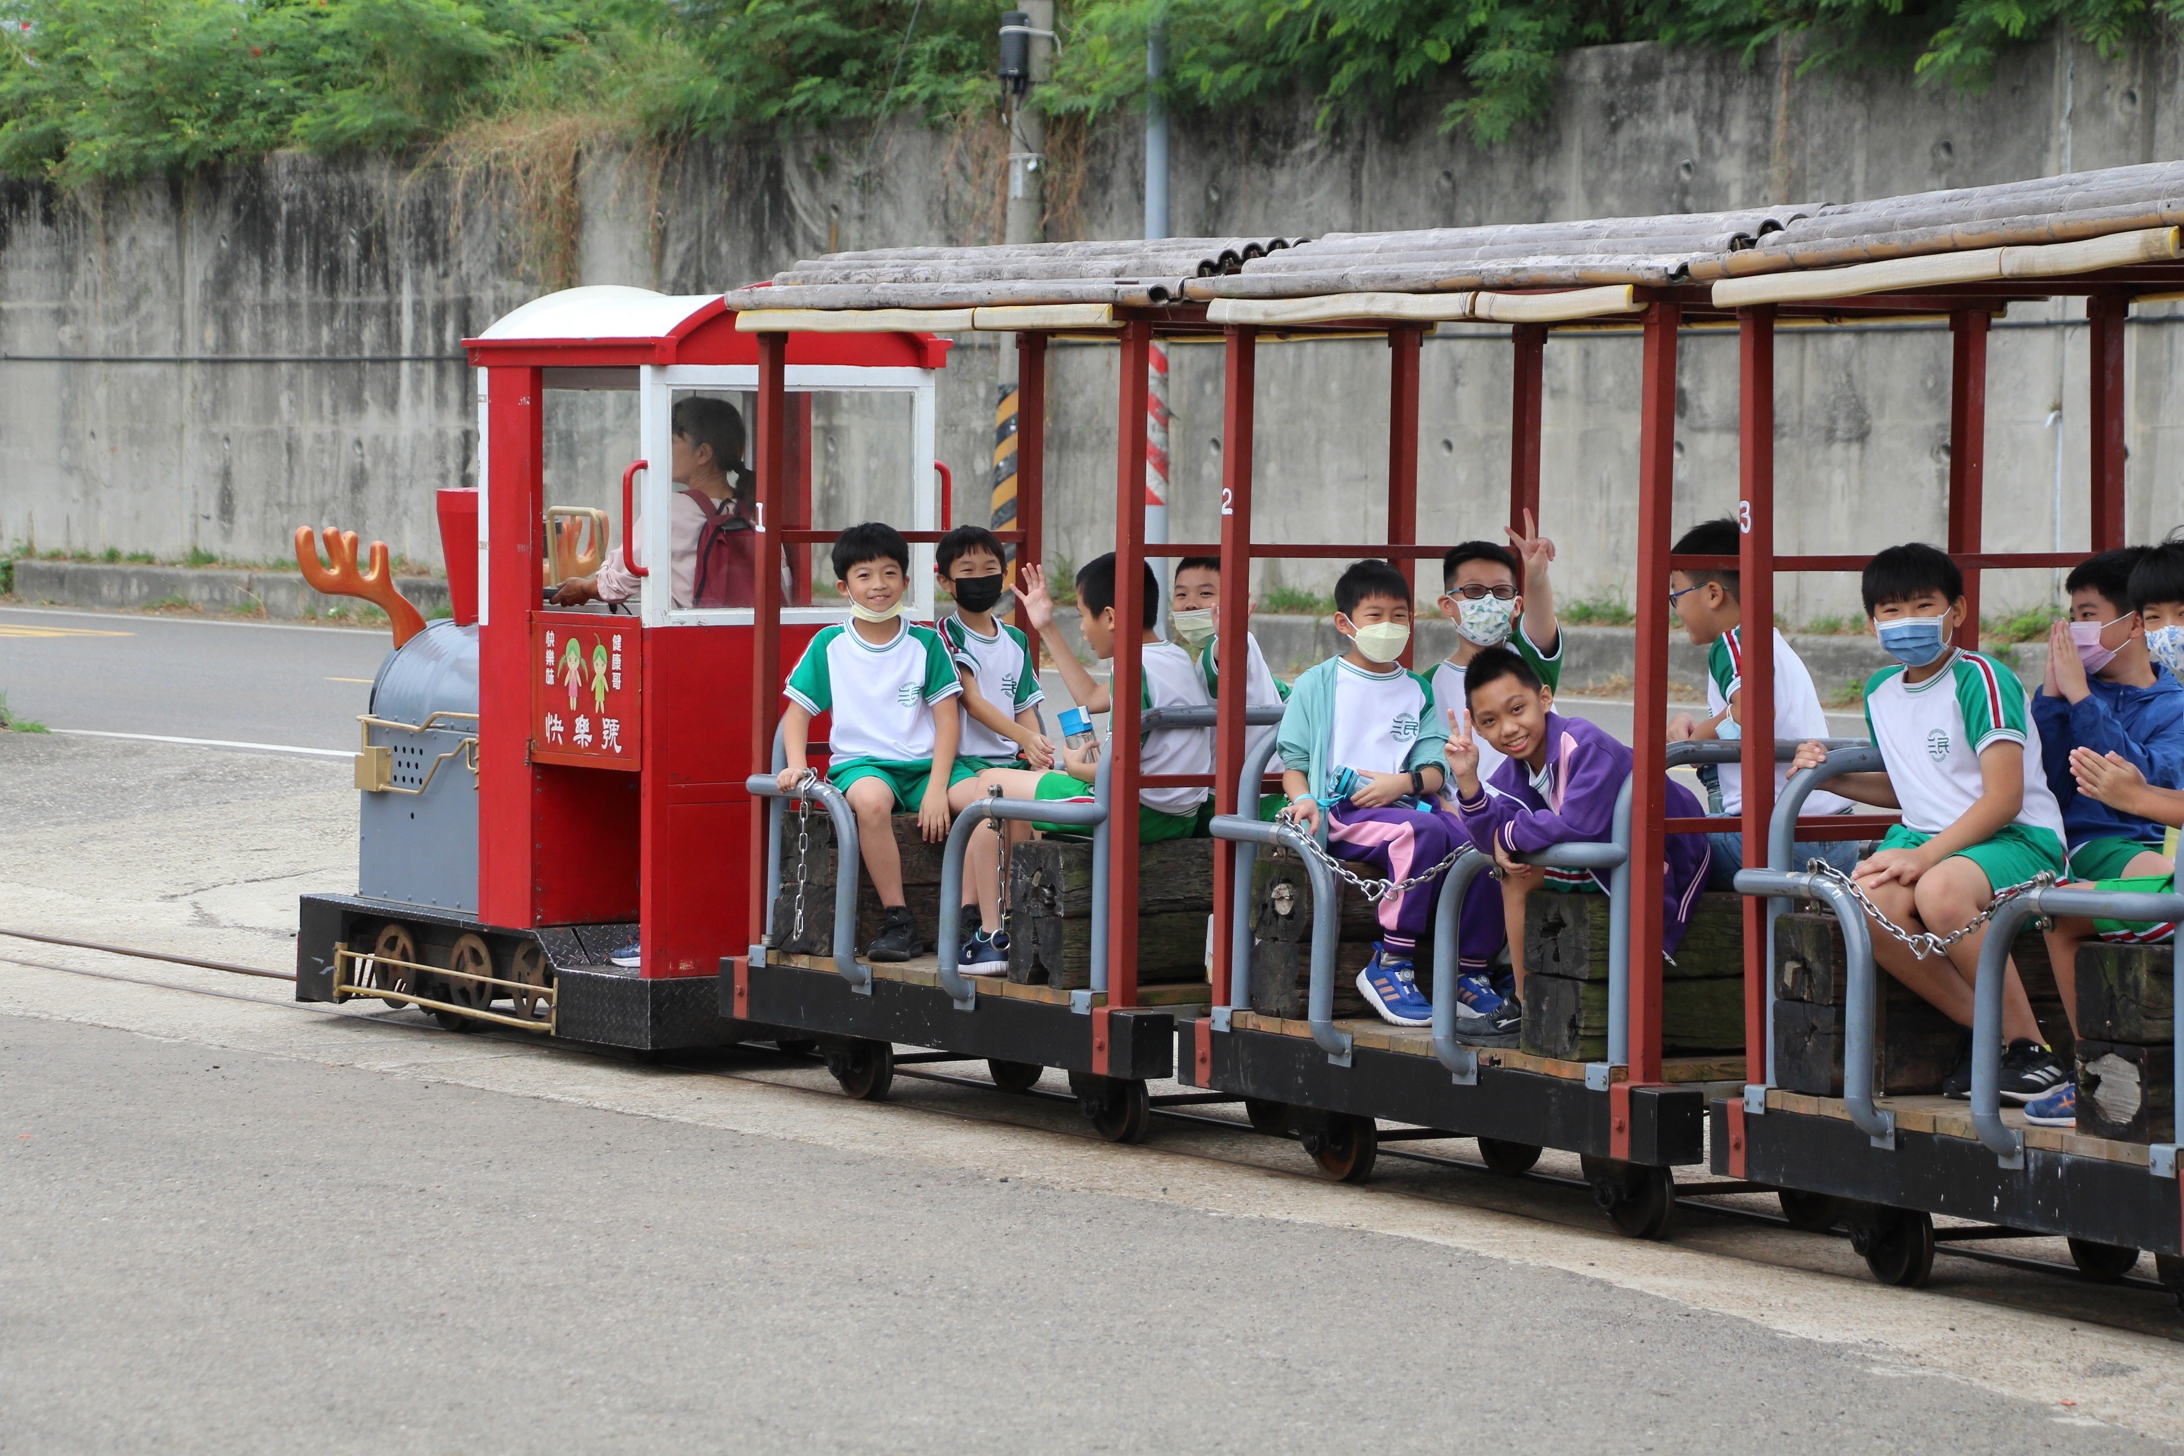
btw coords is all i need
(1156, 227)
(1026, 61)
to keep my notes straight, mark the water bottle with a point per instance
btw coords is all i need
(1077, 730)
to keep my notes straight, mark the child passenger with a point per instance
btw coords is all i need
(1194, 620)
(1706, 603)
(1557, 784)
(1361, 740)
(1963, 762)
(2105, 693)
(1001, 690)
(889, 684)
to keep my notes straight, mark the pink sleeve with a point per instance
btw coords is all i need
(613, 580)
(684, 523)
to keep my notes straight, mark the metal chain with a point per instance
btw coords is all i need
(1924, 944)
(803, 849)
(1374, 891)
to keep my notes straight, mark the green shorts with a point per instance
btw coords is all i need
(1063, 787)
(2107, 859)
(980, 765)
(907, 777)
(2012, 857)
(1157, 826)
(2137, 932)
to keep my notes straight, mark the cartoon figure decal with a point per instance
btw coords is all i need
(599, 676)
(572, 669)
(603, 732)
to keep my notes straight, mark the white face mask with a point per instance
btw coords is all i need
(1193, 627)
(1487, 621)
(864, 613)
(2166, 644)
(1382, 642)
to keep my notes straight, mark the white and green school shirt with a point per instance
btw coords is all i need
(1797, 714)
(1006, 678)
(1378, 717)
(1261, 688)
(1448, 692)
(882, 696)
(1170, 680)
(1930, 735)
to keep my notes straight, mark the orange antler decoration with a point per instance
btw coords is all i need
(344, 579)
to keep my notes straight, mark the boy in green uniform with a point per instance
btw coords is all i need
(1962, 758)
(1194, 619)
(889, 685)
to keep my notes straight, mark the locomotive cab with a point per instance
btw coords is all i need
(612, 740)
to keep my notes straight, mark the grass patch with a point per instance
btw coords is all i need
(1291, 602)
(199, 556)
(1602, 611)
(1850, 695)
(1835, 627)
(9, 723)
(172, 604)
(2029, 625)
(1061, 580)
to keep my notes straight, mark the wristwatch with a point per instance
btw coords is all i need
(1418, 782)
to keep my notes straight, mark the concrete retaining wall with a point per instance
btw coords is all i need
(276, 593)
(210, 363)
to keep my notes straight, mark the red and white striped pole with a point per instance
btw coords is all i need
(1156, 464)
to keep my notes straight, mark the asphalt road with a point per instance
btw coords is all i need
(217, 1250)
(133, 673)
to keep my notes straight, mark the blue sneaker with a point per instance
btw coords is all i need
(986, 955)
(627, 955)
(1391, 987)
(1476, 996)
(2058, 1109)
(1504, 983)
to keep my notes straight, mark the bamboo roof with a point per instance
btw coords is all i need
(1684, 248)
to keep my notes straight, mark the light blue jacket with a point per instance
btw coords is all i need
(1308, 725)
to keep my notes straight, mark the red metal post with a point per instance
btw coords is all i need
(1967, 452)
(772, 468)
(1031, 454)
(1755, 598)
(2106, 313)
(1649, 735)
(1232, 652)
(1524, 423)
(1403, 456)
(515, 504)
(1128, 680)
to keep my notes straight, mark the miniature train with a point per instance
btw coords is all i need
(510, 840)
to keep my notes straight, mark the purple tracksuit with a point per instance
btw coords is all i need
(1397, 843)
(1586, 767)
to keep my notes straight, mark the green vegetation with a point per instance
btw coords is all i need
(199, 556)
(98, 90)
(1289, 601)
(9, 723)
(1834, 627)
(2029, 625)
(1601, 611)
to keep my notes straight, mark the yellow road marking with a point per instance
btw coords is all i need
(24, 629)
(365, 680)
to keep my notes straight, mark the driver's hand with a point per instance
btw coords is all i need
(576, 591)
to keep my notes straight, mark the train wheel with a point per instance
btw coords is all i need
(1014, 1076)
(1119, 1107)
(1269, 1117)
(865, 1069)
(1814, 1213)
(1640, 1201)
(2170, 1270)
(2103, 1263)
(470, 953)
(1898, 1246)
(396, 944)
(528, 965)
(1507, 1157)
(1345, 1147)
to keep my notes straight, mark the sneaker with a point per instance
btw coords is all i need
(2058, 1109)
(2030, 1071)
(1958, 1084)
(627, 955)
(1501, 1028)
(1504, 982)
(1476, 998)
(986, 955)
(898, 938)
(1389, 984)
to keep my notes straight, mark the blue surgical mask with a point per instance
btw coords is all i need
(1915, 641)
(2166, 646)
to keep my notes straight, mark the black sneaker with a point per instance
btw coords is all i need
(1500, 1028)
(1958, 1084)
(898, 938)
(2030, 1071)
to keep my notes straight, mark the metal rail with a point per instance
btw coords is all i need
(151, 955)
(949, 933)
(848, 861)
(1326, 923)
